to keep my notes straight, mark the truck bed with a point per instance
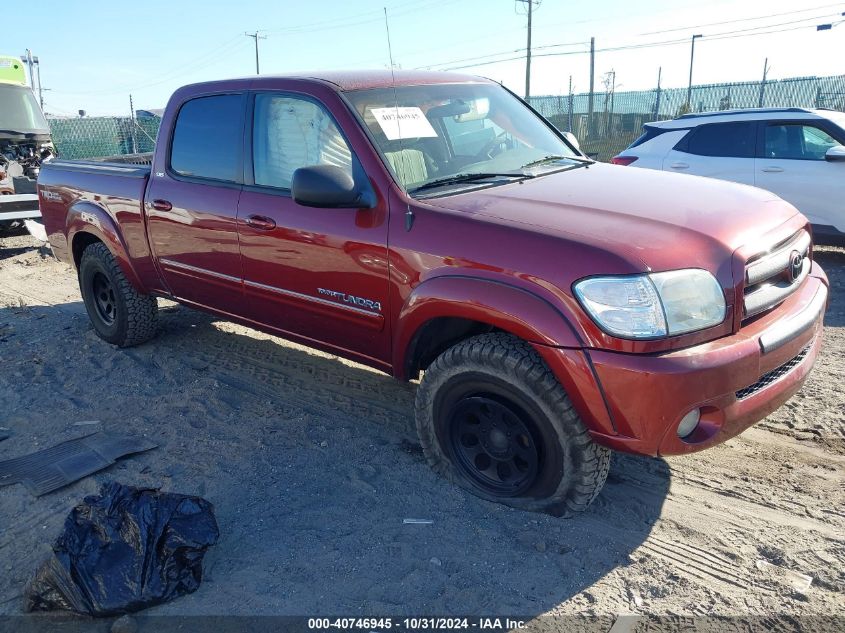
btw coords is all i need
(111, 165)
(111, 191)
(144, 158)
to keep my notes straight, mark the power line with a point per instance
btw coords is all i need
(235, 43)
(203, 61)
(360, 18)
(771, 26)
(539, 48)
(508, 52)
(764, 17)
(470, 59)
(716, 36)
(632, 46)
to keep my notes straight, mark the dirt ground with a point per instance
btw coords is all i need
(312, 464)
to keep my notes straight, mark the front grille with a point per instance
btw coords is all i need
(771, 277)
(774, 375)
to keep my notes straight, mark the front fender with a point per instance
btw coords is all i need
(503, 306)
(518, 312)
(88, 217)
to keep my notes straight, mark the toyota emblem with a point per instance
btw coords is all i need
(796, 265)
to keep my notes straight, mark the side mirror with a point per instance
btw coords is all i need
(573, 140)
(328, 186)
(835, 154)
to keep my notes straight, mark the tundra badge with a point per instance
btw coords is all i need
(367, 304)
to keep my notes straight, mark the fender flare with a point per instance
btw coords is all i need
(502, 305)
(91, 218)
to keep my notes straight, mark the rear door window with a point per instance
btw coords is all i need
(728, 140)
(208, 138)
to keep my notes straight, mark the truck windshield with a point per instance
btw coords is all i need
(457, 133)
(19, 111)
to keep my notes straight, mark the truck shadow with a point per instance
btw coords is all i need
(313, 466)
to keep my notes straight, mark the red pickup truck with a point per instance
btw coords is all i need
(435, 224)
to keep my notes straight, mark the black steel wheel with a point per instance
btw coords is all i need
(104, 298)
(493, 445)
(119, 313)
(493, 419)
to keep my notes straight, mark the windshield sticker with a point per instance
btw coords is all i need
(399, 123)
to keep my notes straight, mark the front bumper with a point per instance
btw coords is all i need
(735, 381)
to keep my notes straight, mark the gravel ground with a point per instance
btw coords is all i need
(312, 464)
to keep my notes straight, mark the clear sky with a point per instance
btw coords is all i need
(95, 53)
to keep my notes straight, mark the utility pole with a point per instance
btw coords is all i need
(40, 90)
(612, 91)
(256, 36)
(657, 101)
(592, 86)
(569, 109)
(132, 123)
(609, 82)
(691, 58)
(763, 83)
(29, 61)
(530, 4)
(34, 66)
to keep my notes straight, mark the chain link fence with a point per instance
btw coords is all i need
(604, 128)
(96, 137)
(617, 117)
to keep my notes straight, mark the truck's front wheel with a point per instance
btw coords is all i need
(492, 418)
(120, 314)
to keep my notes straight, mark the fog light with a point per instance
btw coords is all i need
(689, 422)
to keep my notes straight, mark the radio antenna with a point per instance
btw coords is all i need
(409, 215)
(389, 49)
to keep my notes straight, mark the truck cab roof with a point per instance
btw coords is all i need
(345, 81)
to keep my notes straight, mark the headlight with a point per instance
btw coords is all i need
(655, 305)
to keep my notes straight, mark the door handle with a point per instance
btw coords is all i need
(679, 166)
(161, 205)
(260, 222)
(773, 169)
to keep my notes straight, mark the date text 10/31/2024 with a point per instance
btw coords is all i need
(414, 624)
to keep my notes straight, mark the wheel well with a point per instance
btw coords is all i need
(435, 337)
(81, 241)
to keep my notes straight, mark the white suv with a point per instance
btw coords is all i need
(795, 153)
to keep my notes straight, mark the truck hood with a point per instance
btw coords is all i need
(661, 220)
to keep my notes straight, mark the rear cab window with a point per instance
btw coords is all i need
(725, 140)
(208, 138)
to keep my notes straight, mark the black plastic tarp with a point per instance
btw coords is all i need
(123, 550)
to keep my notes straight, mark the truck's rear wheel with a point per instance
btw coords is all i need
(492, 418)
(120, 314)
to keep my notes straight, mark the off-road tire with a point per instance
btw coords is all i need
(575, 466)
(135, 315)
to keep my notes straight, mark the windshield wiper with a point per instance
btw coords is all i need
(468, 177)
(553, 157)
